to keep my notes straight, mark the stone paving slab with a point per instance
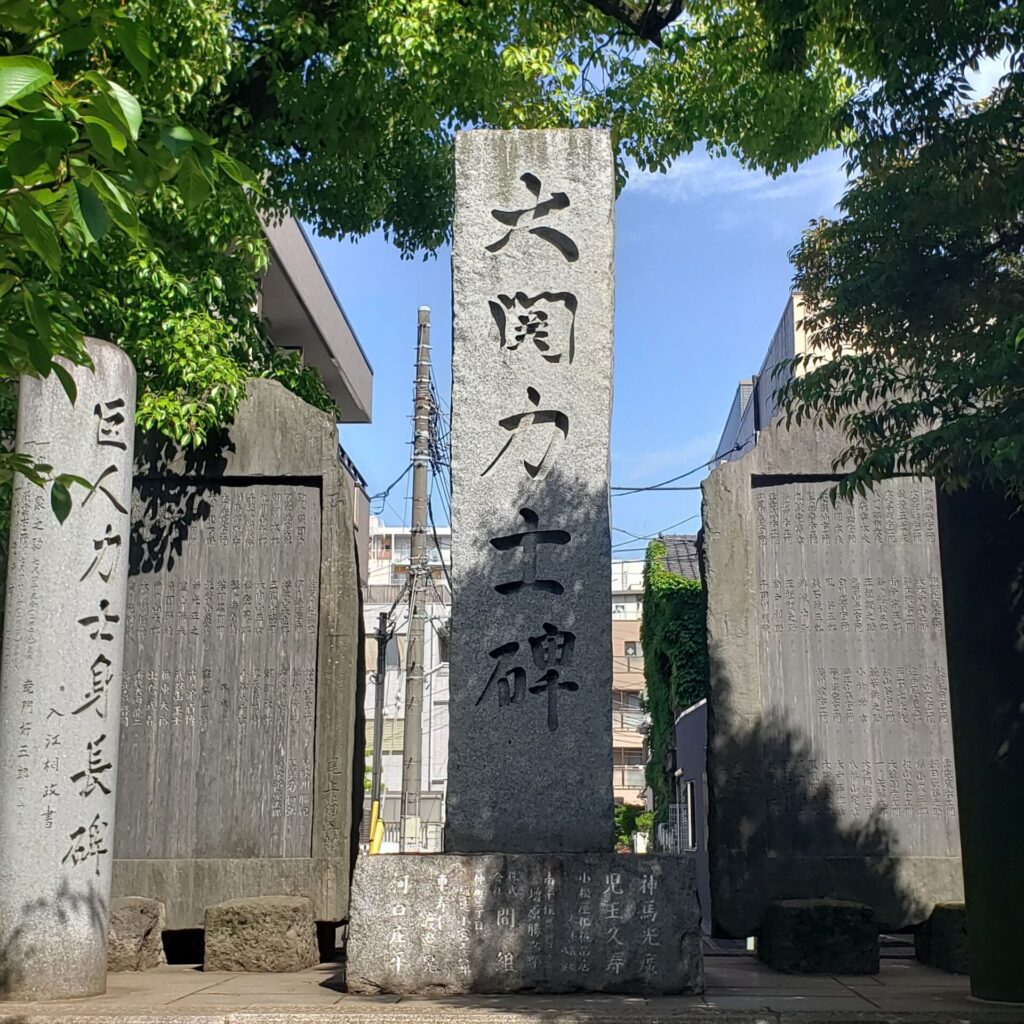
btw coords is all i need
(740, 990)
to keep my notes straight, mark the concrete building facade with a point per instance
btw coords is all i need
(628, 755)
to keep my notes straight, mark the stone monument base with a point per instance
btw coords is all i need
(442, 924)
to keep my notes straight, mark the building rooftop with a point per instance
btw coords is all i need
(304, 313)
(681, 556)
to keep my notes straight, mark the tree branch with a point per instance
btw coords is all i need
(648, 20)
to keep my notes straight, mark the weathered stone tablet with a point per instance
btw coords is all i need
(530, 745)
(830, 758)
(240, 669)
(442, 924)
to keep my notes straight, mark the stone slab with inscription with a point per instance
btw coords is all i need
(830, 758)
(530, 710)
(240, 669)
(60, 682)
(444, 924)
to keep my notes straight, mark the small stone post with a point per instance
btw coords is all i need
(60, 682)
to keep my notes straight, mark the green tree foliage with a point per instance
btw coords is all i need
(674, 636)
(915, 294)
(121, 220)
(630, 819)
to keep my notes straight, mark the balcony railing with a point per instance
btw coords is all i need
(628, 776)
(628, 719)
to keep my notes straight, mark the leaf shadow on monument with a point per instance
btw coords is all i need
(171, 494)
(19, 951)
(535, 597)
(776, 830)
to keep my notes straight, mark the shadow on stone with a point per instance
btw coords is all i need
(168, 505)
(794, 843)
(19, 953)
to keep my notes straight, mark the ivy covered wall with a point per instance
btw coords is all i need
(674, 637)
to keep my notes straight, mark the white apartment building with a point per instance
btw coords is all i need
(387, 574)
(628, 754)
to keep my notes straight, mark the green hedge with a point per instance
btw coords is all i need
(674, 638)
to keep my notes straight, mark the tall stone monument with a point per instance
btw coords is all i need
(830, 757)
(532, 276)
(240, 695)
(528, 895)
(60, 682)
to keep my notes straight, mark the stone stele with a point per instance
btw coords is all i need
(830, 757)
(60, 683)
(444, 924)
(240, 668)
(530, 739)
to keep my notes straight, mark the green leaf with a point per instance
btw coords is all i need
(38, 309)
(21, 76)
(105, 137)
(136, 44)
(177, 139)
(128, 105)
(37, 230)
(39, 355)
(192, 182)
(23, 157)
(60, 500)
(89, 211)
(68, 383)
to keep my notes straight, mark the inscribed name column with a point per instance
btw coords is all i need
(530, 740)
(60, 685)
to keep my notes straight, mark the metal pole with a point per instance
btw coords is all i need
(378, 707)
(412, 743)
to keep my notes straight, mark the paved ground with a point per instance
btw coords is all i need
(738, 989)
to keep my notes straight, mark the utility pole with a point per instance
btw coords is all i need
(382, 636)
(412, 743)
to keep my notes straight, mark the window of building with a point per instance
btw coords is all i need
(626, 756)
(633, 649)
(625, 700)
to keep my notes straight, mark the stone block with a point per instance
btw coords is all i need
(441, 924)
(531, 670)
(830, 752)
(265, 934)
(942, 940)
(819, 937)
(134, 941)
(240, 664)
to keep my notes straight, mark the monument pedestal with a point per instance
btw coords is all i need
(445, 924)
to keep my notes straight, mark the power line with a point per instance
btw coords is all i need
(663, 486)
(382, 497)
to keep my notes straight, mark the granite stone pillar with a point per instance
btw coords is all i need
(532, 275)
(60, 683)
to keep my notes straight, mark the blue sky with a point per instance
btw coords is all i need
(702, 276)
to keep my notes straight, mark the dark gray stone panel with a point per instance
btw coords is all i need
(244, 642)
(441, 924)
(220, 673)
(830, 758)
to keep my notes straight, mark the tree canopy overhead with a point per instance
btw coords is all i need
(161, 118)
